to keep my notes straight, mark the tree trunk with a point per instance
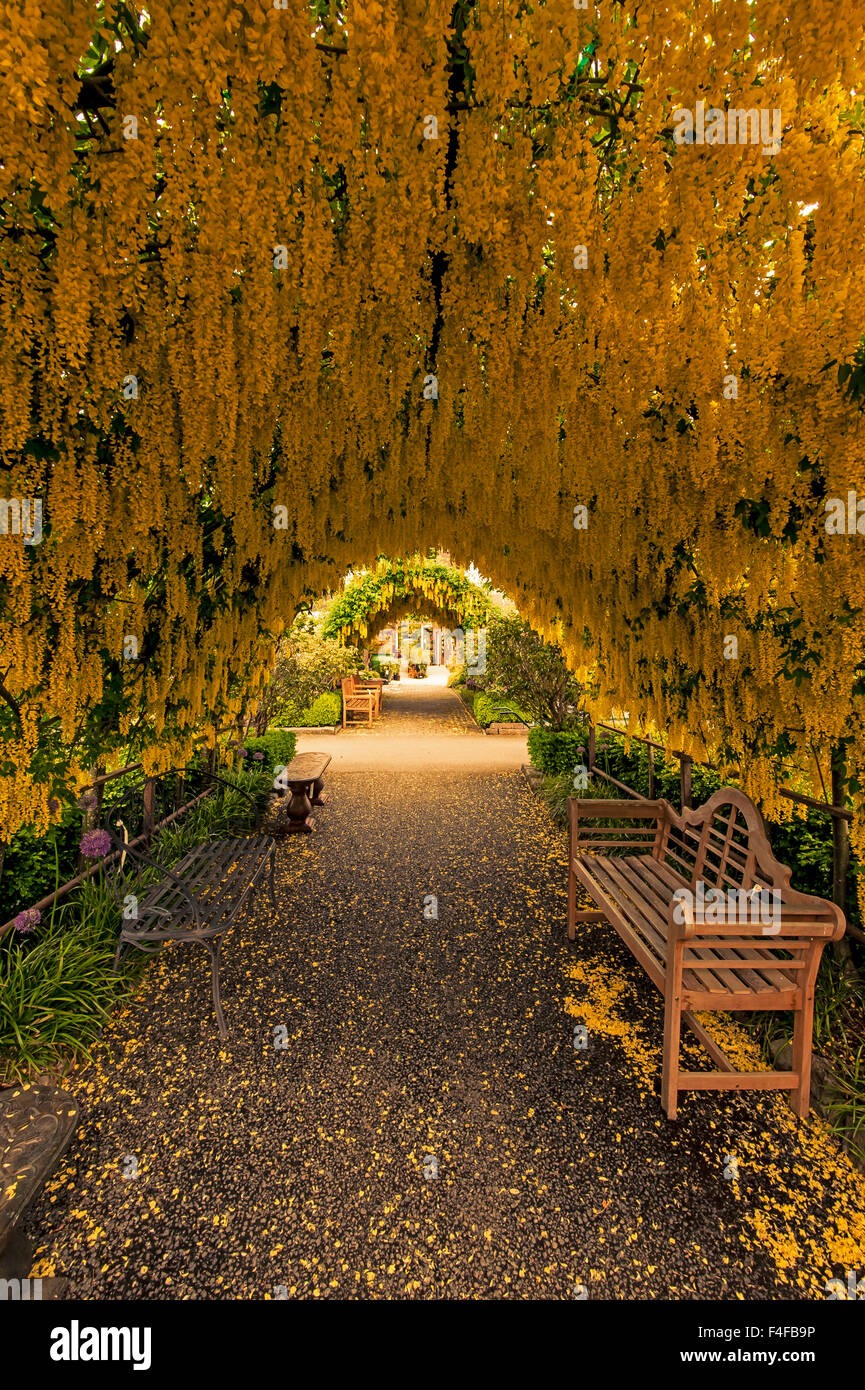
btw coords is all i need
(841, 861)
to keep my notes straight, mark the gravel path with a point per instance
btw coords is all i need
(427, 1129)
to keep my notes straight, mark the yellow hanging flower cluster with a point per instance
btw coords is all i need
(575, 293)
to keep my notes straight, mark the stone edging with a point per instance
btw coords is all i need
(314, 729)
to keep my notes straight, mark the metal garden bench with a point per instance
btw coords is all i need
(199, 898)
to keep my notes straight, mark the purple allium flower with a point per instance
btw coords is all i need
(259, 757)
(95, 844)
(88, 801)
(241, 751)
(27, 921)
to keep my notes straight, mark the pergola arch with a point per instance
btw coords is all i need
(396, 589)
(227, 378)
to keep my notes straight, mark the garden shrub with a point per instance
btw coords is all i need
(483, 709)
(491, 708)
(277, 745)
(32, 863)
(553, 750)
(325, 709)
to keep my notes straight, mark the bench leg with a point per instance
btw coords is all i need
(299, 816)
(803, 1033)
(672, 1029)
(213, 950)
(595, 915)
(272, 873)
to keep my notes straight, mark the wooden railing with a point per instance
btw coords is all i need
(90, 816)
(841, 816)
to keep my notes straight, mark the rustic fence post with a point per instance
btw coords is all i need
(148, 798)
(651, 772)
(591, 746)
(840, 856)
(685, 779)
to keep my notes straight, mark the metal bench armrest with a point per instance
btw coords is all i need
(143, 860)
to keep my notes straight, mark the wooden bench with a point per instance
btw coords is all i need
(199, 898)
(304, 778)
(374, 683)
(707, 910)
(357, 702)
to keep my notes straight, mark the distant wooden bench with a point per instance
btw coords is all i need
(374, 683)
(304, 778)
(357, 703)
(707, 910)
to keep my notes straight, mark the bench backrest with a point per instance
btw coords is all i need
(723, 844)
(152, 804)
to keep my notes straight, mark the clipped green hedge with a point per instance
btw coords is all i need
(495, 709)
(553, 751)
(277, 745)
(325, 709)
(483, 709)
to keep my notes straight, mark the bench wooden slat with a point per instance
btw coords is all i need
(656, 903)
(728, 980)
(770, 979)
(605, 898)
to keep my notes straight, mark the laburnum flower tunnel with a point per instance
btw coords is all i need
(282, 289)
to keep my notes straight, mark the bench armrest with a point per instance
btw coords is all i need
(617, 829)
(120, 879)
(770, 914)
